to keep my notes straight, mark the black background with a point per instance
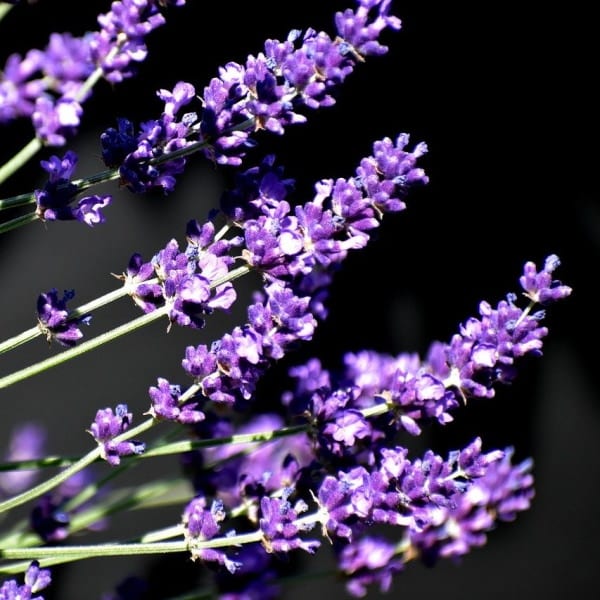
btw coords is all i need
(504, 95)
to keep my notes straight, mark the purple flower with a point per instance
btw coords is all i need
(202, 524)
(54, 319)
(55, 200)
(26, 442)
(540, 287)
(166, 405)
(279, 527)
(35, 580)
(369, 561)
(56, 120)
(106, 426)
(451, 531)
(120, 40)
(268, 92)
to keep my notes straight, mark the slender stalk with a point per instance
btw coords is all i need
(94, 551)
(46, 486)
(96, 342)
(17, 201)
(24, 155)
(18, 222)
(4, 9)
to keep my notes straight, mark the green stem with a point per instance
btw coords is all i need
(75, 351)
(20, 158)
(4, 9)
(94, 551)
(241, 438)
(46, 486)
(18, 222)
(17, 201)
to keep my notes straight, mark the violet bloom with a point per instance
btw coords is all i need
(27, 442)
(279, 525)
(54, 320)
(289, 245)
(106, 426)
(397, 491)
(498, 495)
(44, 84)
(202, 524)
(369, 561)
(138, 155)
(35, 581)
(275, 322)
(270, 91)
(539, 286)
(166, 405)
(55, 200)
(120, 42)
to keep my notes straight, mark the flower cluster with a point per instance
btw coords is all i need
(49, 85)
(264, 472)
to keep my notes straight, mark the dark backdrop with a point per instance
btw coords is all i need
(505, 97)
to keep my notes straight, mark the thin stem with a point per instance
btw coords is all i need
(46, 486)
(4, 9)
(17, 201)
(94, 551)
(18, 222)
(24, 155)
(241, 438)
(96, 342)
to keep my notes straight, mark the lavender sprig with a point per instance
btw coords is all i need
(269, 92)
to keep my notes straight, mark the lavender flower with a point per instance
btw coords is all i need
(278, 524)
(54, 320)
(54, 201)
(108, 425)
(49, 85)
(499, 494)
(166, 405)
(269, 472)
(367, 562)
(268, 92)
(35, 581)
(202, 524)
